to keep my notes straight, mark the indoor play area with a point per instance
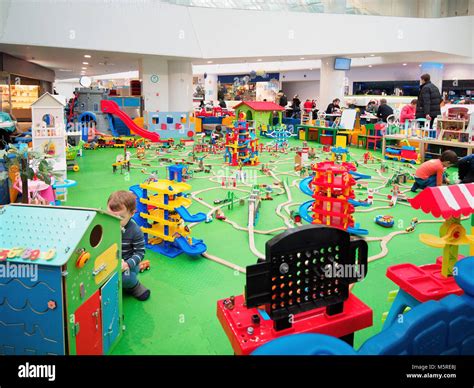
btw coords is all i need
(212, 208)
(220, 178)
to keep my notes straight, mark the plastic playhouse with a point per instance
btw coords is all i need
(161, 213)
(62, 289)
(241, 145)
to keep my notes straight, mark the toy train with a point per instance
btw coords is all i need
(406, 154)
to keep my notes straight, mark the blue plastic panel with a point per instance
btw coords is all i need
(110, 312)
(43, 228)
(31, 311)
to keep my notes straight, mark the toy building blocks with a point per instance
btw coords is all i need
(72, 303)
(241, 145)
(405, 154)
(161, 215)
(297, 289)
(333, 195)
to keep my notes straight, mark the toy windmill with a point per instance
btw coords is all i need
(449, 202)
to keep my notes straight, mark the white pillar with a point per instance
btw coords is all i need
(180, 86)
(155, 88)
(210, 87)
(435, 70)
(332, 83)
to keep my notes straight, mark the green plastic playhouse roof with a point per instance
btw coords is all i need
(44, 228)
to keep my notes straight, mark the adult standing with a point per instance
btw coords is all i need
(296, 106)
(429, 100)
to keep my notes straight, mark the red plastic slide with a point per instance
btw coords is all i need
(111, 107)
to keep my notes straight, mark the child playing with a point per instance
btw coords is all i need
(431, 173)
(122, 204)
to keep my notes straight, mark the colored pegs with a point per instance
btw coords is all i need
(4, 254)
(26, 253)
(35, 254)
(15, 252)
(49, 255)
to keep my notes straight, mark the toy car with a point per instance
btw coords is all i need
(144, 265)
(385, 221)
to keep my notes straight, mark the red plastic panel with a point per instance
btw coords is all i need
(425, 282)
(236, 322)
(89, 318)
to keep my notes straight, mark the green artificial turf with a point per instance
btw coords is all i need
(180, 317)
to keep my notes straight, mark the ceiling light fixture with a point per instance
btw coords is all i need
(404, 64)
(259, 60)
(209, 61)
(87, 56)
(302, 58)
(85, 63)
(370, 65)
(84, 68)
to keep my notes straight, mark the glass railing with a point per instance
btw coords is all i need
(400, 8)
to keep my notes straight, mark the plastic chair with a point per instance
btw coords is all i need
(374, 135)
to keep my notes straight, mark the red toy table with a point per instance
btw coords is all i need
(425, 282)
(236, 322)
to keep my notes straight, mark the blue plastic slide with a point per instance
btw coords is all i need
(187, 217)
(141, 207)
(197, 248)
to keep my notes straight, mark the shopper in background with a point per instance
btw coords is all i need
(222, 104)
(308, 105)
(283, 101)
(296, 106)
(429, 100)
(371, 107)
(384, 110)
(408, 111)
(315, 110)
(333, 107)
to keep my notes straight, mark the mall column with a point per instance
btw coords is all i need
(155, 90)
(210, 87)
(167, 86)
(180, 86)
(332, 83)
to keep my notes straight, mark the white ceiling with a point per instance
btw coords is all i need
(68, 63)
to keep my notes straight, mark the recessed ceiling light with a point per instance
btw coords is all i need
(370, 65)
(65, 70)
(372, 55)
(84, 68)
(209, 61)
(85, 63)
(302, 58)
(311, 69)
(419, 65)
(404, 64)
(87, 56)
(259, 60)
